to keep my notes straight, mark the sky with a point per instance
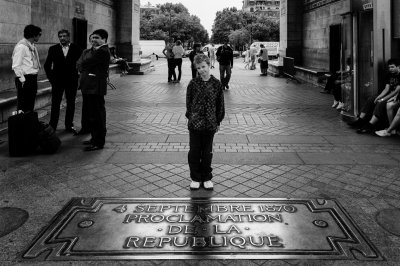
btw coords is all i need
(204, 9)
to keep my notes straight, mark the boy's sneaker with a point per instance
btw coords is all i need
(383, 133)
(208, 185)
(194, 185)
(335, 104)
(340, 106)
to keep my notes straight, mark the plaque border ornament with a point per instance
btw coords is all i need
(48, 246)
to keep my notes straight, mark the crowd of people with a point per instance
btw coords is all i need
(68, 69)
(380, 114)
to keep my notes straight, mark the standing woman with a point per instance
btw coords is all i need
(263, 60)
(196, 50)
(170, 59)
(178, 52)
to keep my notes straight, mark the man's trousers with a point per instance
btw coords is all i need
(26, 93)
(56, 98)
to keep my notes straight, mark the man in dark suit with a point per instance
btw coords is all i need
(93, 68)
(60, 67)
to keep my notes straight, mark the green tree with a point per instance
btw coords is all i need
(259, 26)
(173, 20)
(239, 38)
(227, 20)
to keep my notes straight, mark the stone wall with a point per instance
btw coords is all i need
(316, 33)
(51, 16)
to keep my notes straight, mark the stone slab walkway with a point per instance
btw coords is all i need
(279, 140)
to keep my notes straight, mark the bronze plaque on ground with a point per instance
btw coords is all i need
(201, 228)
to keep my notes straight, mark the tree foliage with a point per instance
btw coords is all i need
(233, 24)
(174, 20)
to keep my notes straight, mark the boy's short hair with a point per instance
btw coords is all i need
(198, 59)
(63, 31)
(393, 61)
(178, 42)
(102, 33)
(31, 31)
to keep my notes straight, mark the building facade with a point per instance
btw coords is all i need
(149, 9)
(270, 8)
(325, 34)
(120, 18)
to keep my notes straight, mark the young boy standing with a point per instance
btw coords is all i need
(205, 111)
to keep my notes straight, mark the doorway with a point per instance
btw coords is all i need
(80, 32)
(335, 45)
(365, 62)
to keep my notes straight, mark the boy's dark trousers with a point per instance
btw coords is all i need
(200, 155)
(26, 94)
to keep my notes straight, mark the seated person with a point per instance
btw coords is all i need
(122, 62)
(380, 114)
(391, 89)
(394, 126)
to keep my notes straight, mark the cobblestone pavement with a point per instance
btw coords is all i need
(279, 140)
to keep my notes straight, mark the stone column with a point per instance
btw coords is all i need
(128, 29)
(291, 30)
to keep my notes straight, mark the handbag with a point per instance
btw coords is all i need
(259, 60)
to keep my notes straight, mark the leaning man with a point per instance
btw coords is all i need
(60, 67)
(26, 65)
(93, 68)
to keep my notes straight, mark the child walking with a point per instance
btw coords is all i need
(205, 110)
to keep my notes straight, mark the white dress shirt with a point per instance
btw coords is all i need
(65, 49)
(25, 59)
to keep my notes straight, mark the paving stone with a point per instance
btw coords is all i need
(273, 132)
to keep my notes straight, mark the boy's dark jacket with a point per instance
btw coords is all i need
(204, 104)
(93, 67)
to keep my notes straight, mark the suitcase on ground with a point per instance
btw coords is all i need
(23, 133)
(48, 140)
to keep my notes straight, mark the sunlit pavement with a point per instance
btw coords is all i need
(278, 140)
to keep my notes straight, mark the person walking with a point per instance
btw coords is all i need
(60, 68)
(263, 57)
(253, 55)
(178, 52)
(247, 58)
(225, 58)
(196, 51)
(205, 111)
(170, 59)
(26, 66)
(93, 67)
(212, 55)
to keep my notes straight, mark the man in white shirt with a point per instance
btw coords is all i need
(26, 65)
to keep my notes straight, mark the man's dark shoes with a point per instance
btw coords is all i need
(367, 128)
(93, 148)
(87, 142)
(227, 86)
(358, 123)
(71, 130)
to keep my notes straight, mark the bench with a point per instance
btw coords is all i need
(313, 76)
